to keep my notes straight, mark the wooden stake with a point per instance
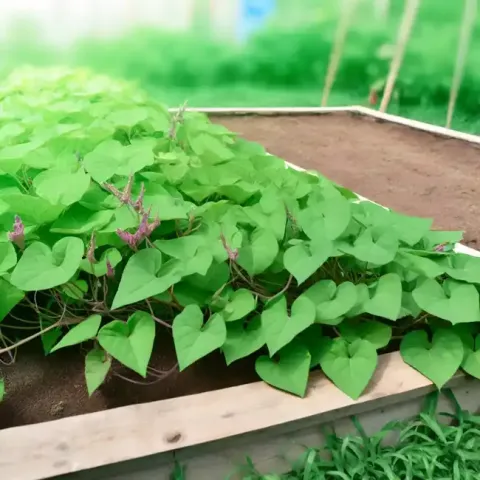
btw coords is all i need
(409, 15)
(468, 22)
(348, 8)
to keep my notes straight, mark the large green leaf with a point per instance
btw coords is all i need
(290, 372)
(78, 219)
(438, 359)
(328, 218)
(375, 246)
(350, 366)
(112, 158)
(42, 268)
(97, 366)
(332, 301)
(386, 297)
(8, 257)
(243, 340)
(304, 259)
(258, 252)
(145, 276)
(377, 333)
(454, 301)
(131, 342)
(85, 330)
(34, 210)
(60, 187)
(280, 328)
(193, 339)
(9, 298)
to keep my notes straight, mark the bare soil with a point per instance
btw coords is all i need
(413, 172)
(410, 171)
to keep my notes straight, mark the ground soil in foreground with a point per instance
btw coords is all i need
(413, 172)
(410, 171)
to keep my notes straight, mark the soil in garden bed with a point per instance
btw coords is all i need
(413, 172)
(39, 388)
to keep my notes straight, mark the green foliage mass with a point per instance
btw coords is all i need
(120, 221)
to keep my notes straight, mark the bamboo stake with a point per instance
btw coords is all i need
(409, 15)
(468, 22)
(337, 50)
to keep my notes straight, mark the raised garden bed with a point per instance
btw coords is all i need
(51, 427)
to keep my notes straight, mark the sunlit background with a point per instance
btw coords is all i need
(249, 52)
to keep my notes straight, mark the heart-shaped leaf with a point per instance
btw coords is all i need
(131, 342)
(40, 268)
(304, 259)
(9, 298)
(375, 246)
(463, 267)
(350, 366)
(279, 329)
(85, 330)
(239, 305)
(61, 187)
(329, 217)
(78, 220)
(97, 366)
(439, 359)
(8, 257)
(418, 264)
(386, 298)
(377, 333)
(290, 373)
(111, 158)
(243, 340)
(145, 276)
(471, 358)
(100, 269)
(193, 339)
(332, 302)
(259, 252)
(316, 343)
(454, 301)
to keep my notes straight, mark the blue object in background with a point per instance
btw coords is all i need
(253, 16)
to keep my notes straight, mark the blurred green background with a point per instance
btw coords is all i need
(281, 62)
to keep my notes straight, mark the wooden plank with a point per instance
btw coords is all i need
(273, 450)
(425, 127)
(88, 441)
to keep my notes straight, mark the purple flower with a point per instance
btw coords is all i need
(127, 191)
(129, 238)
(138, 205)
(144, 230)
(18, 234)
(110, 269)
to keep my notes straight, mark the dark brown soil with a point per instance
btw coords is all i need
(412, 172)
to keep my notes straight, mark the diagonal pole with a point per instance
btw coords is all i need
(466, 29)
(409, 15)
(348, 10)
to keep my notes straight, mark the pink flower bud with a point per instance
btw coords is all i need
(127, 191)
(129, 238)
(138, 205)
(17, 236)
(110, 269)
